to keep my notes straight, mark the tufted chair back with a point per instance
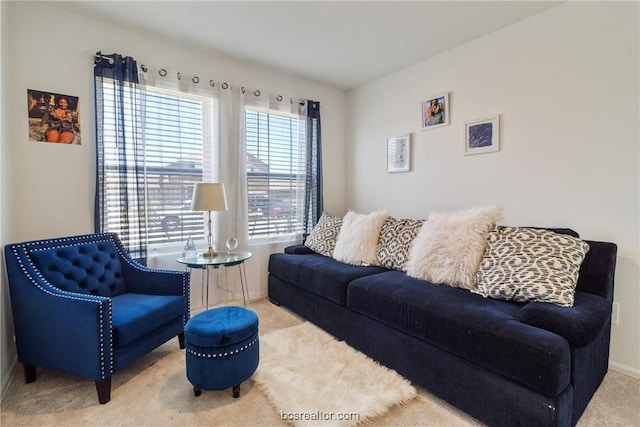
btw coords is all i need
(91, 268)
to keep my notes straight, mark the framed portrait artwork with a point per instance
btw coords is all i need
(435, 111)
(53, 117)
(399, 153)
(482, 136)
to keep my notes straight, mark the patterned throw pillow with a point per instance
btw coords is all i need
(525, 264)
(322, 238)
(395, 241)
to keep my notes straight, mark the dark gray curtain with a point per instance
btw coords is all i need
(120, 191)
(313, 204)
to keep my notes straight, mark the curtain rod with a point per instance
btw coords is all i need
(162, 72)
(195, 79)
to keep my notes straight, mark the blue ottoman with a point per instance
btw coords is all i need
(222, 348)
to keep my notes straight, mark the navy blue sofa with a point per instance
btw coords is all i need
(82, 306)
(505, 363)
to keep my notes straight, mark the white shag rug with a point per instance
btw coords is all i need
(314, 380)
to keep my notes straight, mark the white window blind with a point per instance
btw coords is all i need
(171, 162)
(275, 172)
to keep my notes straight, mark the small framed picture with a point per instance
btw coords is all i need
(399, 153)
(435, 111)
(482, 136)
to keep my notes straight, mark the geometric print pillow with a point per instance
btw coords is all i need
(395, 241)
(525, 264)
(322, 238)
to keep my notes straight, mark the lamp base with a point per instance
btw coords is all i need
(209, 253)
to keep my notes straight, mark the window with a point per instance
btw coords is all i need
(154, 144)
(275, 172)
(169, 158)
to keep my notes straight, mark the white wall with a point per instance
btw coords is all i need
(565, 83)
(52, 188)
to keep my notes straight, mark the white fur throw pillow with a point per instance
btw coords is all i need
(358, 238)
(450, 246)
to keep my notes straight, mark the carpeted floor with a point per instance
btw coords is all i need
(155, 392)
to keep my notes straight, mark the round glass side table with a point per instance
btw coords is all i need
(220, 260)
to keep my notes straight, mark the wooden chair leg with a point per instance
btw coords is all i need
(181, 340)
(29, 373)
(103, 387)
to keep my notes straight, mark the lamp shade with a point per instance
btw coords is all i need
(209, 196)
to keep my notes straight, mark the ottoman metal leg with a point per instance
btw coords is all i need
(236, 391)
(197, 391)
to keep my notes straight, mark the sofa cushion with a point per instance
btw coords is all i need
(322, 238)
(135, 315)
(358, 238)
(91, 268)
(526, 264)
(483, 331)
(319, 274)
(450, 245)
(395, 241)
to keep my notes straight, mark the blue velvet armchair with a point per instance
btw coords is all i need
(81, 305)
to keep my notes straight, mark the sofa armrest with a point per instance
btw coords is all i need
(298, 249)
(579, 324)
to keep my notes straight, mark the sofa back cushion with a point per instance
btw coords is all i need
(89, 268)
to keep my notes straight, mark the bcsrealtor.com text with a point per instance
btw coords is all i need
(319, 416)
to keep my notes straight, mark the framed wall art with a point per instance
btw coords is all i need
(399, 153)
(53, 117)
(435, 111)
(482, 136)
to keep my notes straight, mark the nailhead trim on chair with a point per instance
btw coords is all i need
(226, 353)
(68, 245)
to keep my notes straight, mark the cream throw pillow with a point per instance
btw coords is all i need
(450, 246)
(358, 238)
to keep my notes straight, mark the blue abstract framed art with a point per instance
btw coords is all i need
(482, 136)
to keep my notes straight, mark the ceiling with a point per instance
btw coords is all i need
(341, 43)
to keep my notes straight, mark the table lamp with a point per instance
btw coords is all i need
(209, 196)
